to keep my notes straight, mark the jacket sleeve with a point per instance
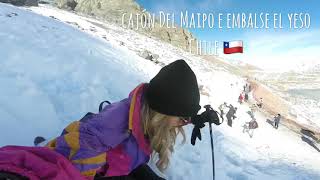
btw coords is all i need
(37, 163)
(86, 142)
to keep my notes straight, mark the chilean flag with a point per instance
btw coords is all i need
(232, 47)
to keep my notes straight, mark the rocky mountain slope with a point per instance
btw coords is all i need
(113, 10)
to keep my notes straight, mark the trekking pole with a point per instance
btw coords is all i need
(212, 151)
(211, 116)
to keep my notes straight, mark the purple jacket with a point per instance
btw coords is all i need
(111, 142)
(37, 163)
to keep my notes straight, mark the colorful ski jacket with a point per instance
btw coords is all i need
(111, 142)
(37, 163)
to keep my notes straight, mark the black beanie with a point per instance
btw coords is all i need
(174, 91)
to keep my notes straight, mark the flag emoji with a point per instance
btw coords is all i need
(232, 47)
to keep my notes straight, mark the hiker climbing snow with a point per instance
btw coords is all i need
(260, 103)
(222, 109)
(121, 138)
(249, 127)
(231, 114)
(277, 119)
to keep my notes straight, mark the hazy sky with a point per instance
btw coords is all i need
(268, 48)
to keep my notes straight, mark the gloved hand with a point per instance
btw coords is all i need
(198, 124)
(144, 172)
(210, 116)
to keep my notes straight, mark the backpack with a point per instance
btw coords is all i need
(85, 117)
(253, 125)
(40, 139)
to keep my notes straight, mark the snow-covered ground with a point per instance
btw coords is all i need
(300, 90)
(52, 73)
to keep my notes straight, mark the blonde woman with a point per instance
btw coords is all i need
(126, 134)
(120, 139)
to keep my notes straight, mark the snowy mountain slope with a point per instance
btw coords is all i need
(138, 43)
(300, 90)
(52, 74)
(47, 76)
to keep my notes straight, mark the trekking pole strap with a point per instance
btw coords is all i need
(101, 105)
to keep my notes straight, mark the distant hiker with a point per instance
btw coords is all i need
(222, 108)
(246, 88)
(246, 97)
(119, 139)
(249, 127)
(260, 103)
(277, 120)
(240, 98)
(231, 114)
(246, 92)
(251, 114)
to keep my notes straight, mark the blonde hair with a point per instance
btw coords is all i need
(161, 135)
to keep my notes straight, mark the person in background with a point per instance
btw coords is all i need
(222, 108)
(277, 119)
(240, 98)
(260, 103)
(249, 127)
(246, 97)
(231, 114)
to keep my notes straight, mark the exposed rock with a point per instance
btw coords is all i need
(73, 24)
(155, 57)
(105, 37)
(43, 2)
(11, 14)
(161, 64)
(150, 56)
(113, 11)
(14, 2)
(93, 29)
(146, 55)
(54, 18)
(31, 3)
(204, 90)
(66, 4)
(21, 2)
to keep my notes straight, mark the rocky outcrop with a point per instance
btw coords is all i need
(21, 2)
(31, 3)
(149, 56)
(113, 10)
(66, 4)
